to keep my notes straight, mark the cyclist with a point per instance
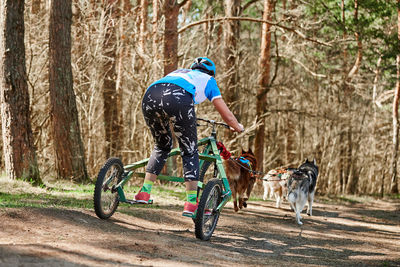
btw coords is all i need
(172, 99)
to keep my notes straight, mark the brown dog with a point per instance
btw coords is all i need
(240, 177)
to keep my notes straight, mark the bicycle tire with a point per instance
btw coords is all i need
(207, 216)
(106, 199)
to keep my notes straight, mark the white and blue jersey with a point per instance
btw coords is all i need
(199, 84)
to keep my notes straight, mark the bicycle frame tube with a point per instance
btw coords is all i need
(210, 146)
(227, 193)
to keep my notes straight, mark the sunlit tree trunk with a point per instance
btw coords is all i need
(68, 145)
(341, 110)
(111, 98)
(18, 144)
(155, 35)
(207, 26)
(393, 186)
(374, 177)
(231, 72)
(143, 25)
(263, 81)
(352, 180)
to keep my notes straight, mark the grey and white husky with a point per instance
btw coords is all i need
(301, 188)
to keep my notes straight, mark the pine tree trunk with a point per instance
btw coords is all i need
(263, 82)
(171, 12)
(18, 144)
(393, 186)
(143, 25)
(111, 98)
(352, 177)
(156, 37)
(68, 145)
(231, 39)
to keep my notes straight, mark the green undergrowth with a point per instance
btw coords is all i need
(59, 194)
(17, 194)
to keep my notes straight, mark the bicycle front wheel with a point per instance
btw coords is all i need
(106, 197)
(207, 214)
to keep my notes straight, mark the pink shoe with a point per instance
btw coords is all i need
(142, 197)
(189, 208)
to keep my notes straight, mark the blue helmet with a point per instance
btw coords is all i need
(205, 65)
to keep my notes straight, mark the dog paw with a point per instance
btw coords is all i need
(245, 204)
(299, 223)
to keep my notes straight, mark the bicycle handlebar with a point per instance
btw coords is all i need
(212, 122)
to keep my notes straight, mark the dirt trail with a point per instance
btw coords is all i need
(261, 235)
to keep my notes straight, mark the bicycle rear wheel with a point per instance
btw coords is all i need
(106, 197)
(207, 214)
(204, 175)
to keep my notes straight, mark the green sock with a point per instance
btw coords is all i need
(191, 196)
(147, 185)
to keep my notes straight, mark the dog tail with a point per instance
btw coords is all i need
(292, 197)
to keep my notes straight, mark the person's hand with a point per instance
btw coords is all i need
(240, 130)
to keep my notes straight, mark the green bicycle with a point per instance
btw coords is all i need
(109, 188)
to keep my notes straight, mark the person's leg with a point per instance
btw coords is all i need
(157, 121)
(183, 118)
(191, 193)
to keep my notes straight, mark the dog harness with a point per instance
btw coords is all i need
(278, 173)
(242, 161)
(245, 161)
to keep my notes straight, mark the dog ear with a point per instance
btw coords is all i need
(315, 162)
(251, 152)
(306, 160)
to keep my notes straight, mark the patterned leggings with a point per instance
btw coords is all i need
(168, 102)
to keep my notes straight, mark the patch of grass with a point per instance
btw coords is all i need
(396, 196)
(176, 192)
(17, 194)
(348, 199)
(42, 201)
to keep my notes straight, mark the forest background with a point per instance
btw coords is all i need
(307, 79)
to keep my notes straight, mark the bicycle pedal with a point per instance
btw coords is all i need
(134, 202)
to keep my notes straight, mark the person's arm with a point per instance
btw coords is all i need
(227, 115)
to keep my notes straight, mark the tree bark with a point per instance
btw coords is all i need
(155, 35)
(111, 98)
(35, 7)
(352, 180)
(264, 81)
(393, 186)
(143, 25)
(68, 145)
(171, 13)
(18, 144)
(231, 75)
